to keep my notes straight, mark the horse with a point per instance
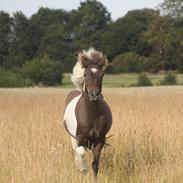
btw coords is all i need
(87, 116)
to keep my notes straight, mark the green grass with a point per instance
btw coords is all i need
(66, 82)
(122, 80)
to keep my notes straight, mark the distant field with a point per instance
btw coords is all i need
(146, 143)
(122, 80)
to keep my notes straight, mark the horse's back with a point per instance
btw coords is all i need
(72, 94)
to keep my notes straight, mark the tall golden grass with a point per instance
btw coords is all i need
(146, 146)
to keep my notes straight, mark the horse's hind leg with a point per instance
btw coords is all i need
(74, 143)
(79, 152)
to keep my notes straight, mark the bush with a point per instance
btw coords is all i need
(131, 62)
(126, 62)
(43, 71)
(169, 79)
(13, 78)
(143, 80)
(180, 69)
(109, 69)
(37, 71)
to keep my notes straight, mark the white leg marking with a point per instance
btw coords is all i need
(79, 155)
(80, 161)
(74, 143)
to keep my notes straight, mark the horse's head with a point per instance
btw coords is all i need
(93, 82)
(94, 63)
(88, 73)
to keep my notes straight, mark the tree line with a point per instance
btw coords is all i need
(38, 49)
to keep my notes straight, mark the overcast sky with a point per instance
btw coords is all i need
(117, 8)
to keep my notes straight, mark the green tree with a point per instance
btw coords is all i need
(173, 8)
(165, 36)
(20, 49)
(90, 17)
(57, 46)
(40, 24)
(130, 62)
(5, 31)
(52, 42)
(125, 34)
(13, 78)
(46, 17)
(43, 71)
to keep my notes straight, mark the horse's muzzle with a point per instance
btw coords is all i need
(94, 95)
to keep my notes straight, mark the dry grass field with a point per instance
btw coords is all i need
(146, 143)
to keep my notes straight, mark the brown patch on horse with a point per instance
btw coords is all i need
(94, 119)
(71, 96)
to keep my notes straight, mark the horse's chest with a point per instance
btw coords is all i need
(90, 124)
(80, 119)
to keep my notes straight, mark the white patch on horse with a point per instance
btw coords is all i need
(94, 70)
(70, 116)
(80, 161)
(74, 143)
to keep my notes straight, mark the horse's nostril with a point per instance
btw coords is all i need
(95, 93)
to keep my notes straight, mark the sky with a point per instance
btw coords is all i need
(117, 8)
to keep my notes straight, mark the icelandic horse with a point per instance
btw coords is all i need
(87, 116)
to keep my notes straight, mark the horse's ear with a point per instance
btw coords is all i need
(103, 63)
(84, 61)
(104, 67)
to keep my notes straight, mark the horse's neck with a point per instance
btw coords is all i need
(93, 108)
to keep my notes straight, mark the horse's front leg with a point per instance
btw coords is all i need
(80, 153)
(96, 154)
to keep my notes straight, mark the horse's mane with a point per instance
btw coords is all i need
(85, 58)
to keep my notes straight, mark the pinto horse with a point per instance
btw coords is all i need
(87, 117)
